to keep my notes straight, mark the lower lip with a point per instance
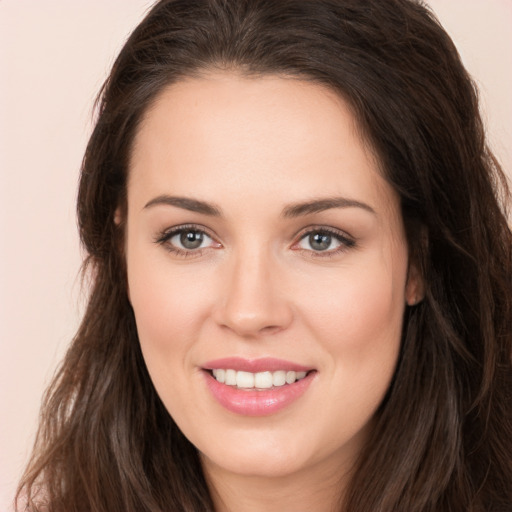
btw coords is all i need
(257, 403)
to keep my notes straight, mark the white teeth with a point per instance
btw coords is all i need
(245, 379)
(230, 379)
(279, 378)
(220, 375)
(290, 377)
(263, 380)
(260, 380)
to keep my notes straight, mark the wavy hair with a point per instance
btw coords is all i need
(443, 435)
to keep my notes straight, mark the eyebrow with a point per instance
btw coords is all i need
(320, 205)
(290, 211)
(185, 203)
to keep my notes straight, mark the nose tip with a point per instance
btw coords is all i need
(253, 324)
(253, 301)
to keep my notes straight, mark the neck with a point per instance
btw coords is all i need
(319, 488)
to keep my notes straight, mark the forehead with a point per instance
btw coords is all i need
(266, 134)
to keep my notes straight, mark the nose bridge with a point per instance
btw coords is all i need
(253, 299)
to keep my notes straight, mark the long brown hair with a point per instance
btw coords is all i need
(443, 435)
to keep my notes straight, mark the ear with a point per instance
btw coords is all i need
(118, 216)
(415, 286)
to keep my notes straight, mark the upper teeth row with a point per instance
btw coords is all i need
(262, 380)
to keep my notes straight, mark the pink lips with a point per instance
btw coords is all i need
(254, 402)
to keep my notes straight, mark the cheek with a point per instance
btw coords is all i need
(356, 310)
(169, 305)
(169, 308)
(357, 321)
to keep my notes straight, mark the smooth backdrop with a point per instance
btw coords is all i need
(54, 55)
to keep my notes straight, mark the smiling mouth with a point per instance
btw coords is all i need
(257, 387)
(260, 381)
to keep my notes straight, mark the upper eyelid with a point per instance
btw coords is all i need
(169, 232)
(325, 229)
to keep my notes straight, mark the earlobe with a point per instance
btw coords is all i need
(118, 216)
(415, 286)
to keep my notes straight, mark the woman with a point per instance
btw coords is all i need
(301, 273)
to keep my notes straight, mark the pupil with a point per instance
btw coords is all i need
(191, 239)
(319, 241)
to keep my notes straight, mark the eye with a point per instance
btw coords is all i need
(319, 242)
(190, 239)
(324, 240)
(185, 240)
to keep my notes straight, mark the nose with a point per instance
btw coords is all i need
(252, 299)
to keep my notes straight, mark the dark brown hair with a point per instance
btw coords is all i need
(443, 435)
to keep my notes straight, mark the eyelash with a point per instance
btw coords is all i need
(346, 242)
(165, 236)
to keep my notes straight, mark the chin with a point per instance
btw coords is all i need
(257, 463)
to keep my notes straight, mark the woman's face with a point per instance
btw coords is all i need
(263, 245)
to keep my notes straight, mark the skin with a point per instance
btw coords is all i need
(256, 287)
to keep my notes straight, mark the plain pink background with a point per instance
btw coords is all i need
(54, 55)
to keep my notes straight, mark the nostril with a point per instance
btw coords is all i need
(271, 329)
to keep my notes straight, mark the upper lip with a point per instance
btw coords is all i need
(263, 364)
